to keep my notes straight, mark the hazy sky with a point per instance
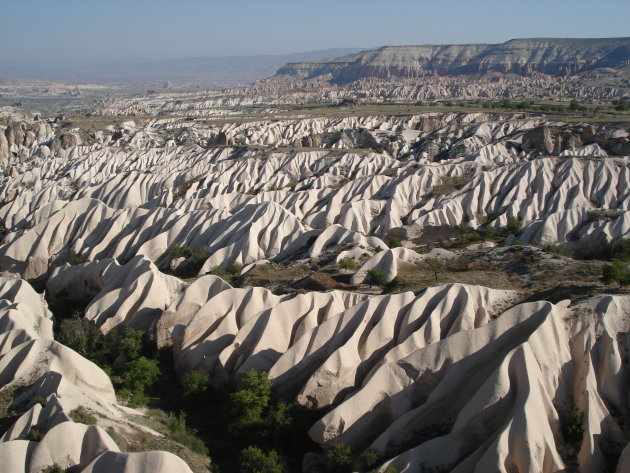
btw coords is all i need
(122, 29)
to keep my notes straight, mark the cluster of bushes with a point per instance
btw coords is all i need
(607, 251)
(199, 255)
(621, 105)
(124, 354)
(243, 426)
(577, 106)
(347, 263)
(264, 433)
(377, 277)
(229, 273)
(617, 272)
(574, 105)
(525, 105)
(572, 426)
(394, 243)
(617, 252)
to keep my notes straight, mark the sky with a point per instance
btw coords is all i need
(96, 30)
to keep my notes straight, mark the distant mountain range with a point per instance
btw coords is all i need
(204, 71)
(552, 56)
(558, 57)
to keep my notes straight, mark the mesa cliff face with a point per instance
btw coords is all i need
(557, 57)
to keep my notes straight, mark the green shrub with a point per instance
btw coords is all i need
(234, 269)
(85, 338)
(513, 226)
(76, 334)
(280, 415)
(194, 384)
(179, 432)
(131, 343)
(219, 271)
(254, 460)
(377, 277)
(82, 415)
(572, 426)
(371, 458)
(616, 272)
(180, 251)
(247, 404)
(347, 263)
(339, 454)
(551, 248)
(200, 255)
(621, 106)
(575, 106)
(139, 374)
(488, 233)
(394, 243)
(615, 250)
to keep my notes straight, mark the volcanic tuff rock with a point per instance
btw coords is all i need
(455, 376)
(34, 366)
(408, 374)
(520, 56)
(237, 206)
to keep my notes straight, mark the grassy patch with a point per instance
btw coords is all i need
(143, 441)
(419, 276)
(449, 184)
(264, 274)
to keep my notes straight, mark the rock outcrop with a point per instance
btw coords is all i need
(35, 367)
(518, 56)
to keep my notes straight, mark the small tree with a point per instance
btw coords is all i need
(247, 404)
(254, 460)
(75, 333)
(131, 343)
(347, 263)
(616, 272)
(488, 233)
(371, 458)
(436, 266)
(234, 269)
(514, 225)
(377, 277)
(138, 375)
(339, 454)
(572, 426)
(194, 384)
(394, 243)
